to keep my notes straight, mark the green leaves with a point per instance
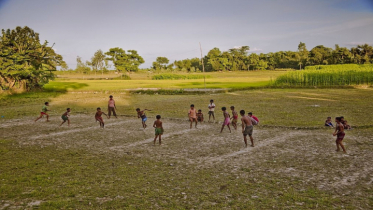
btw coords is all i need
(125, 62)
(25, 63)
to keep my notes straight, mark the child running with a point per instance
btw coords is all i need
(158, 129)
(112, 107)
(234, 118)
(339, 132)
(211, 109)
(65, 117)
(247, 128)
(199, 116)
(98, 117)
(141, 114)
(226, 120)
(192, 114)
(44, 111)
(328, 122)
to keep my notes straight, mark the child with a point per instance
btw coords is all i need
(192, 114)
(211, 109)
(339, 132)
(143, 116)
(247, 128)
(226, 120)
(98, 117)
(199, 116)
(234, 118)
(112, 107)
(345, 124)
(44, 111)
(328, 122)
(65, 117)
(256, 122)
(158, 129)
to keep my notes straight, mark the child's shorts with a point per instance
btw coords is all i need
(144, 119)
(43, 113)
(340, 136)
(64, 118)
(248, 130)
(158, 131)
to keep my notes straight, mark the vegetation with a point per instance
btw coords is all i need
(178, 76)
(336, 75)
(25, 63)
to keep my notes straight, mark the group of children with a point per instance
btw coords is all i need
(247, 121)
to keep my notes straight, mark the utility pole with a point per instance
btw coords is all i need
(203, 67)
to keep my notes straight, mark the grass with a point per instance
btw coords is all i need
(178, 76)
(328, 77)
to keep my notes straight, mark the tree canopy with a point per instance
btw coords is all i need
(25, 63)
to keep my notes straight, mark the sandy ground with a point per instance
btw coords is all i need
(306, 154)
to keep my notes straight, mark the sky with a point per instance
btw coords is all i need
(174, 29)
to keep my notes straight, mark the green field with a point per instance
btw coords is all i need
(293, 166)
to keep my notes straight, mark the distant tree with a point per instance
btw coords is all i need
(302, 56)
(82, 67)
(124, 62)
(98, 61)
(160, 63)
(25, 63)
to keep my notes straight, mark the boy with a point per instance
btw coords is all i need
(98, 117)
(65, 117)
(344, 123)
(199, 116)
(112, 107)
(226, 120)
(247, 128)
(328, 122)
(158, 129)
(192, 116)
(234, 118)
(44, 111)
(250, 114)
(141, 114)
(211, 109)
(339, 132)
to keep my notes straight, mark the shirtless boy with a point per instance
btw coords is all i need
(247, 128)
(339, 132)
(141, 114)
(158, 129)
(65, 117)
(44, 111)
(199, 116)
(192, 114)
(226, 120)
(234, 118)
(98, 117)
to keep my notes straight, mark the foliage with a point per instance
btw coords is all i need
(178, 76)
(25, 63)
(124, 62)
(328, 76)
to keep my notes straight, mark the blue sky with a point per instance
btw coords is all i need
(173, 28)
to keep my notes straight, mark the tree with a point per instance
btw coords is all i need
(25, 63)
(98, 61)
(161, 63)
(302, 56)
(82, 67)
(125, 62)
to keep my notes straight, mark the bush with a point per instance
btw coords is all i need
(178, 76)
(122, 77)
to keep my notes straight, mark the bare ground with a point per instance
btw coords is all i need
(306, 154)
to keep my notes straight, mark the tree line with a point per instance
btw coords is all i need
(240, 59)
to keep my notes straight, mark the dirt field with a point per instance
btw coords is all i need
(299, 159)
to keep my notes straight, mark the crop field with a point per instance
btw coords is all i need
(292, 166)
